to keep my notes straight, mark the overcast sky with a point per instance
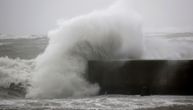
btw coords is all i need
(39, 16)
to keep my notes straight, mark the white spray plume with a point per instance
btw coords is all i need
(114, 33)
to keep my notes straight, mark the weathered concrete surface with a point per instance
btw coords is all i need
(142, 76)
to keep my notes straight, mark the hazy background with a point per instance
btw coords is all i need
(39, 16)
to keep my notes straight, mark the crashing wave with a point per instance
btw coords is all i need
(15, 71)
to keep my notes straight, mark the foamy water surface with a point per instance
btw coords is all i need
(115, 102)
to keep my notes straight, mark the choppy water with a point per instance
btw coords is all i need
(108, 102)
(22, 47)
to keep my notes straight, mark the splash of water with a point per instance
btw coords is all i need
(114, 33)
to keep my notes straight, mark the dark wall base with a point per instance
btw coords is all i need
(142, 76)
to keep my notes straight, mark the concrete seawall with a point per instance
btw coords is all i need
(172, 77)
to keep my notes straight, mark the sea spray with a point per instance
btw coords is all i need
(114, 33)
(162, 48)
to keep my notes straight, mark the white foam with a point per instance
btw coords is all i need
(15, 71)
(114, 33)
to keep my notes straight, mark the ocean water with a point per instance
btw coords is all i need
(108, 102)
(17, 56)
(23, 48)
